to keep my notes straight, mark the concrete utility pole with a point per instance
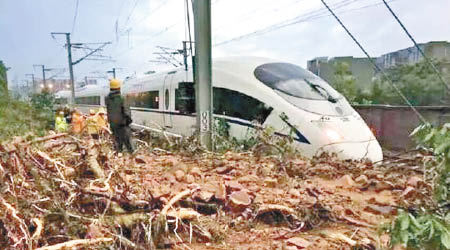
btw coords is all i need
(71, 63)
(203, 71)
(113, 71)
(69, 56)
(33, 82)
(43, 73)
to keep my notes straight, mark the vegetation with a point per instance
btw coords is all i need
(344, 82)
(418, 82)
(22, 118)
(425, 231)
(3, 83)
(429, 229)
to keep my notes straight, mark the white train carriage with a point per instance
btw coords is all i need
(62, 98)
(246, 89)
(90, 97)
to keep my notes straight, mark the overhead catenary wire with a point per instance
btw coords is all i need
(375, 65)
(75, 16)
(312, 15)
(447, 86)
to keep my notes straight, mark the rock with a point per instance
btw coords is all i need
(345, 181)
(294, 192)
(195, 171)
(202, 195)
(414, 181)
(220, 192)
(224, 169)
(179, 175)
(362, 179)
(298, 242)
(270, 182)
(376, 209)
(190, 178)
(240, 199)
(140, 159)
(233, 186)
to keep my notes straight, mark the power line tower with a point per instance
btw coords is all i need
(203, 70)
(89, 52)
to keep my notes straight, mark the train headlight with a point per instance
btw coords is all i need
(333, 135)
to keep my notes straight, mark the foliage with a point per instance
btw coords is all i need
(426, 231)
(418, 82)
(431, 229)
(344, 81)
(437, 140)
(3, 83)
(21, 118)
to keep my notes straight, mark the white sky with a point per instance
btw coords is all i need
(25, 27)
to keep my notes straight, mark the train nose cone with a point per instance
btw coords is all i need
(370, 150)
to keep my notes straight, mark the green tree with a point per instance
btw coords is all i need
(344, 81)
(3, 83)
(418, 82)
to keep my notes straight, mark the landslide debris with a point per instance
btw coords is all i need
(63, 192)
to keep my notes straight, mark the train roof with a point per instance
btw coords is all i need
(92, 90)
(63, 94)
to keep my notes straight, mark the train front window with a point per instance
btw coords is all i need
(295, 81)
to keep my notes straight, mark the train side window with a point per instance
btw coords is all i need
(88, 100)
(235, 104)
(149, 99)
(185, 98)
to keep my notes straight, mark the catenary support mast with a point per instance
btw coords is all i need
(203, 71)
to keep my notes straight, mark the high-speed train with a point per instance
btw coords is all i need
(284, 96)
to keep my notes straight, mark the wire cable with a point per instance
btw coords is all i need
(375, 65)
(447, 86)
(318, 13)
(75, 16)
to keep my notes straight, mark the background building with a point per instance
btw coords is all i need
(438, 50)
(364, 72)
(360, 68)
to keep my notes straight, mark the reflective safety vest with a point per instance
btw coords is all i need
(60, 124)
(91, 124)
(77, 123)
(101, 122)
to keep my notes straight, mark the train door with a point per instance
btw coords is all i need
(167, 90)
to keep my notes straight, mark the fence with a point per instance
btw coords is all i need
(393, 124)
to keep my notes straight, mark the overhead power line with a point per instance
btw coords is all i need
(374, 64)
(418, 47)
(75, 16)
(315, 14)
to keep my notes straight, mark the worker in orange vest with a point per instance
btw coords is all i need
(102, 122)
(78, 122)
(92, 124)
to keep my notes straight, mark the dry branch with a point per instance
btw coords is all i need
(45, 138)
(76, 243)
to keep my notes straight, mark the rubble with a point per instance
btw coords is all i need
(62, 192)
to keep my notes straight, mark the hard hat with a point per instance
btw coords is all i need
(61, 112)
(102, 111)
(92, 112)
(114, 84)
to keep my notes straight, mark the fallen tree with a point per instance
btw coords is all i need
(60, 192)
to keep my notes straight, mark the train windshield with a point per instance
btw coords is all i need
(295, 81)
